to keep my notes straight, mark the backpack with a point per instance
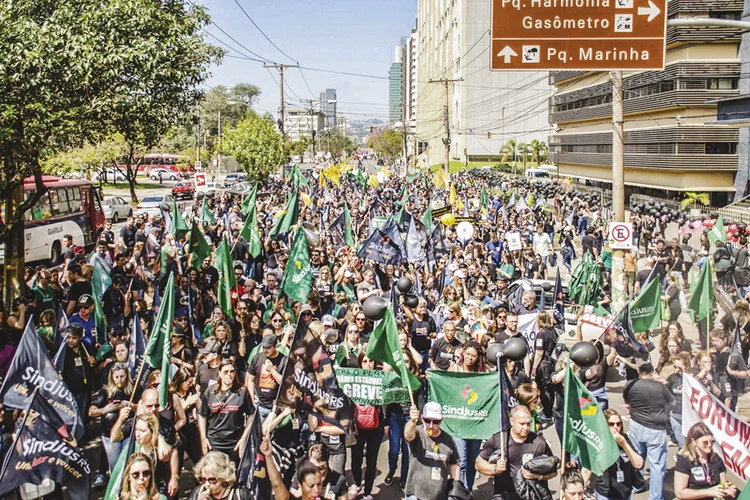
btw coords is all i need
(368, 417)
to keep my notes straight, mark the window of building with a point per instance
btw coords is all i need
(721, 148)
(722, 83)
(734, 15)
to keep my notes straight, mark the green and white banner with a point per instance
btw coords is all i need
(372, 387)
(470, 402)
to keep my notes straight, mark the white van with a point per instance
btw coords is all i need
(536, 173)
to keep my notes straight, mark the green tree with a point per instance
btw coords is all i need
(75, 71)
(693, 198)
(298, 147)
(256, 145)
(388, 143)
(337, 144)
(538, 151)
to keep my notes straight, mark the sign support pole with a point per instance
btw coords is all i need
(619, 284)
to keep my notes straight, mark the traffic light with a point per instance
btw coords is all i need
(489, 135)
(371, 129)
(466, 151)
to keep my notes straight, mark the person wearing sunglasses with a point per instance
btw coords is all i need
(618, 481)
(138, 479)
(699, 472)
(434, 456)
(216, 479)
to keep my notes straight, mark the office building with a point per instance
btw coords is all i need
(395, 87)
(486, 108)
(328, 107)
(302, 122)
(671, 143)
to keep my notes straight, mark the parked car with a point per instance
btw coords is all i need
(232, 179)
(116, 208)
(184, 190)
(165, 174)
(151, 205)
(112, 175)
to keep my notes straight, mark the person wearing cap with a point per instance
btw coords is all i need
(265, 378)
(519, 445)
(182, 355)
(433, 459)
(105, 354)
(85, 318)
(208, 370)
(306, 313)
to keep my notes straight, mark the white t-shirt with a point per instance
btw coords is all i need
(541, 244)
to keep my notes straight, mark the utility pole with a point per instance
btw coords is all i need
(447, 139)
(312, 122)
(218, 152)
(281, 68)
(619, 295)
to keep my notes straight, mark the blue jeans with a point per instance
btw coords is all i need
(677, 428)
(113, 450)
(651, 444)
(567, 258)
(468, 451)
(602, 497)
(397, 443)
(601, 397)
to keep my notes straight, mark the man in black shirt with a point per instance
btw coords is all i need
(521, 445)
(643, 275)
(661, 258)
(648, 400)
(265, 376)
(77, 369)
(588, 243)
(127, 235)
(208, 370)
(444, 349)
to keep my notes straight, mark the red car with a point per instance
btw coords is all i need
(183, 190)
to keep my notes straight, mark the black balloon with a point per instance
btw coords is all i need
(404, 284)
(515, 349)
(546, 286)
(584, 354)
(374, 308)
(312, 238)
(493, 352)
(411, 301)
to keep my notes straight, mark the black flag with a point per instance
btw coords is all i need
(620, 335)
(44, 449)
(33, 368)
(251, 473)
(380, 248)
(437, 242)
(309, 382)
(507, 397)
(558, 308)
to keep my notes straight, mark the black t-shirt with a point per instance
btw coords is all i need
(334, 483)
(701, 476)
(334, 442)
(128, 235)
(265, 385)
(206, 376)
(674, 384)
(642, 276)
(420, 331)
(517, 454)
(225, 414)
(546, 341)
(77, 289)
(101, 400)
(77, 371)
(610, 485)
(648, 400)
(443, 352)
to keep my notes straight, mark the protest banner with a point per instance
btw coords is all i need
(372, 387)
(732, 433)
(470, 402)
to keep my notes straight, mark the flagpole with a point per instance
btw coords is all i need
(565, 419)
(500, 390)
(18, 434)
(138, 378)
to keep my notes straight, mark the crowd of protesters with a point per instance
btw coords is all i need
(227, 365)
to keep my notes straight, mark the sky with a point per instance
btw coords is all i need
(356, 36)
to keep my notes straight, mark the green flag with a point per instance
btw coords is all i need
(348, 238)
(484, 198)
(402, 197)
(115, 478)
(199, 247)
(702, 300)
(206, 215)
(298, 178)
(717, 232)
(100, 281)
(297, 280)
(586, 433)
(384, 346)
(745, 493)
(250, 232)
(288, 217)
(427, 219)
(179, 227)
(470, 402)
(223, 263)
(249, 202)
(159, 348)
(645, 310)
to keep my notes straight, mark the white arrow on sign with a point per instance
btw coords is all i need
(651, 11)
(506, 54)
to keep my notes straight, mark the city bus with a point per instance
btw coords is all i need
(164, 160)
(70, 206)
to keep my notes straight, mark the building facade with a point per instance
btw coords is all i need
(483, 109)
(302, 122)
(395, 87)
(671, 142)
(341, 123)
(328, 103)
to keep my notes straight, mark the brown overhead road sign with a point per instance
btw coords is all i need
(578, 35)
